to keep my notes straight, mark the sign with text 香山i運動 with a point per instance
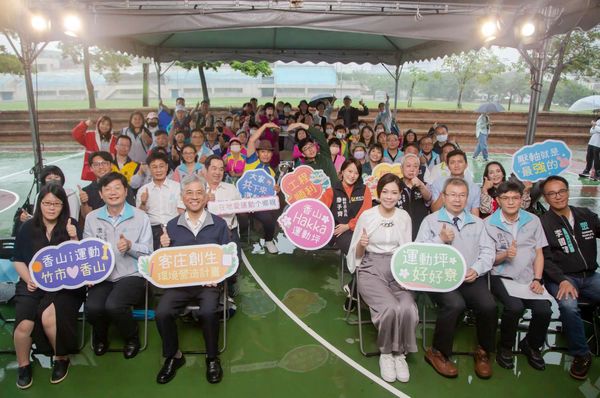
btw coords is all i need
(428, 267)
(308, 224)
(541, 160)
(72, 264)
(304, 183)
(189, 265)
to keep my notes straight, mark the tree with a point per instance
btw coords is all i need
(474, 65)
(569, 91)
(250, 68)
(512, 84)
(574, 53)
(100, 59)
(9, 63)
(416, 75)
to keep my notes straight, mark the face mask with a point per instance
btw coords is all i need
(329, 131)
(379, 131)
(153, 124)
(360, 126)
(252, 131)
(334, 150)
(354, 132)
(339, 135)
(235, 148)
(287, 110)
(228, 123)
(442, 138)
(359, 155)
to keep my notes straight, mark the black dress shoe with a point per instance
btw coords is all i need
(505, 358)
(24, 378)
(131, 348)
(99, 345)
(60, 370)
(214, 371)
(169, 369)
(534, 357)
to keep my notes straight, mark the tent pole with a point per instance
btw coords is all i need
(158, 76)
(534, 101)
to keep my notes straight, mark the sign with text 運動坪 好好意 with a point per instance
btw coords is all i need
(307, 223)
(195, 265)
(541, 160)
(72, 264)
(304, 183)
(428, 267)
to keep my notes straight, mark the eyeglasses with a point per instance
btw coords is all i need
(509, 198)
(456, 195)
(554, 195)
(51, 204)
(100, 164)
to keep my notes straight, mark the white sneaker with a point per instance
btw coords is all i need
(271, 248)
(387, 367)
(402, 373)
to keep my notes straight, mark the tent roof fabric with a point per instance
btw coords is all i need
(348, 31)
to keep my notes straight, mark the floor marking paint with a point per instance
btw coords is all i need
(13, 203)
(318, 337)
(27, 170)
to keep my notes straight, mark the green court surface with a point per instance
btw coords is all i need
(288, 338)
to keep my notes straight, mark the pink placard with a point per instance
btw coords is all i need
(308, 224)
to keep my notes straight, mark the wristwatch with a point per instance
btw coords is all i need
(541, 282)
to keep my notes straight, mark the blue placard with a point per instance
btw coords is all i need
(256, 183)
(541, 160)
(164, 118)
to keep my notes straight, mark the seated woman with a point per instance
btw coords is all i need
(415, 196)
(493, 175)
(48, 319)
(382, 139)
(347, 199)
(359, 152)
(189, 163)
(335, 147)
(259, 157)
(410, 137)
(299, 135)
(367, 136)
(378, 233)
(234, 161)
(374, 157)
(198, 139)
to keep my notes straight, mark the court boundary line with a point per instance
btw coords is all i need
(52, 162)
(334, 350)
(17, 198)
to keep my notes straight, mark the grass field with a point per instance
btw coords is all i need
(237, 102)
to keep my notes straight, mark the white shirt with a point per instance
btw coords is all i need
(195, 227)
(224, 192)
(385, 234)
(441, 170)
(595, 135)
(163, 201)
(513, 226)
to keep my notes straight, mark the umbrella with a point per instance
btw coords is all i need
(490, 107)
(586, 104)
(320, 97)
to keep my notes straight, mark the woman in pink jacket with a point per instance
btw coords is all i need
(100, 139)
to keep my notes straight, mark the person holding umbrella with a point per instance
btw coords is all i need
(482, 131)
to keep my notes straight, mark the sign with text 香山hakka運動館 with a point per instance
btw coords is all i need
(428, 267)
(541, 160)
(189, 265)
(72, 264)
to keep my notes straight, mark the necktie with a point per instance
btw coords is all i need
(455, 221)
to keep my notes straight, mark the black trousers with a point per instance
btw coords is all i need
(172, 304)
(113, 301)
(156, 233)
(541, 312)
(268, 219)
(592, 159)
(452, 304)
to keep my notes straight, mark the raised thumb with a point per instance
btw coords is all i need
(514, 243)
(79, 188)
(164, 229)
(69, 221)
(444, 226)
(122, 236)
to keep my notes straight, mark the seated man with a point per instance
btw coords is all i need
(457, 164)
(194, 227)
(570, 266)
(123, 162)
(90, 198)
(453, 225)
(128, 231)
(518, 237)
(317, 158)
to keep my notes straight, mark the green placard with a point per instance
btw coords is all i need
(428, 267)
